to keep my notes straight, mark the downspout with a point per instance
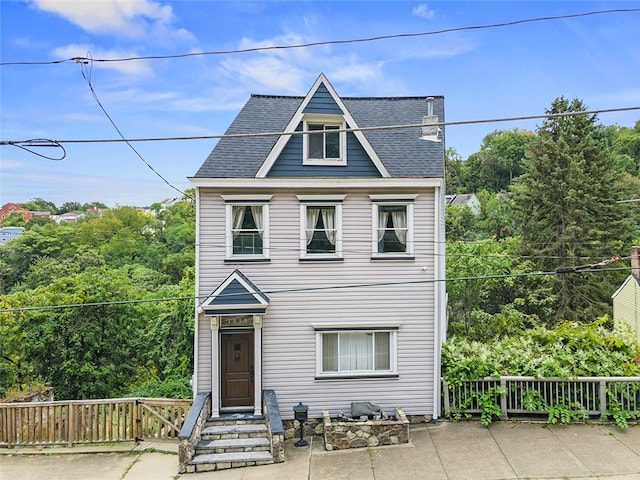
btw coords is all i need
(440, 304)
(194, 378)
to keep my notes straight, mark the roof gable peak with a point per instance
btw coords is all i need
(297, 118)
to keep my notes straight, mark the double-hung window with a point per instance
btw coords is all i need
(360, 352)
(324, 144)
(320, 227)
(247, 232)
(392, 229)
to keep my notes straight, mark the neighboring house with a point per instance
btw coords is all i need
(68, 217)
(468, 199)
(320, 257)
(7, 233)
(8, 208)
(626, 300)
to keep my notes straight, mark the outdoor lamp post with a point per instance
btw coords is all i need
(301, 413)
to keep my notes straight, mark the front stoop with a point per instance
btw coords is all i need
(232, 442)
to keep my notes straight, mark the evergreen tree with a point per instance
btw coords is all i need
(566, 204)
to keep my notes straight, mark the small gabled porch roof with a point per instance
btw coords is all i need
(234, 296)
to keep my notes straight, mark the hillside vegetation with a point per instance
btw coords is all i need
(104, 307)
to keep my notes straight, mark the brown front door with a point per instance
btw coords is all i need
(236, 369)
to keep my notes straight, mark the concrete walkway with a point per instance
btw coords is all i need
(442, 451)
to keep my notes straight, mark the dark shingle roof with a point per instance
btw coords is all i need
(401, 151)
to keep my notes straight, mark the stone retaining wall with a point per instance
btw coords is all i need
(340, 435)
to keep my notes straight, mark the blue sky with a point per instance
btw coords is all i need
(486, 73)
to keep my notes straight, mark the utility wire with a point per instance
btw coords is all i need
(348, 130)
(311, 289)
(332, 42)
(86, 74)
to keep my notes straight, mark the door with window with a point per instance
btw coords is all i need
(236, 369)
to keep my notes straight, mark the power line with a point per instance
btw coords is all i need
(347, 130)
(330, 42)
(314, 289)
(86, 74)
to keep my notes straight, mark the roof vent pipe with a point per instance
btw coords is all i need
(430, 106)
(430, 129)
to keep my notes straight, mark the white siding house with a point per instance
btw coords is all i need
(320, 256)
(626, 300)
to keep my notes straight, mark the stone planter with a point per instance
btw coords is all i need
(371, 433)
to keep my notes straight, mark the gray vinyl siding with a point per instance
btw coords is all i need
(289, 164)
(289, 345)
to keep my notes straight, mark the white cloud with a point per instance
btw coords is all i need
(273, 74)
(133, 19)
(131, 67)
(423, 11)
(8, 164)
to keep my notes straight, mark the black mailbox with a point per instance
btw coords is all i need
(301, 413)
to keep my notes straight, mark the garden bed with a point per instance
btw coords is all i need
(340, 435)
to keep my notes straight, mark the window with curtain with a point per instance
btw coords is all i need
(320, 229)
(247, 229)
(392, 228)
(356, 351)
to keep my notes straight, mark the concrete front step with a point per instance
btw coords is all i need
(224, 432)
(222, 461)
(233, 445)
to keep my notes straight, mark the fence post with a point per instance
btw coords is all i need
(70, 424)
(503, 398)
(603, 399)
(445, 394)
(137, 423)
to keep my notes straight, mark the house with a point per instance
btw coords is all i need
(469, 199)
(626, 300)
(7, 233)
(320, 256)
(8, 208)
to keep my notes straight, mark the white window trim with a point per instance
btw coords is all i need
(229, 255)
(410, 229)
(393, 352)
(303, 231)
(332, 120)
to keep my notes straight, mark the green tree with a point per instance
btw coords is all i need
(490, 293)
(39, 205)
(626, 146)
(455, 172)
(499, 160)
(566, 207)
(69, 207)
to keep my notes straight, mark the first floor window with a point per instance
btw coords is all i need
(356, 352)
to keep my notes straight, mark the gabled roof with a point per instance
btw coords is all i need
(398, 153)
(236, 294)
(297, 118)
(630, 278)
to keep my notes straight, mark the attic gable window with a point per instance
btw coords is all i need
(325, 144)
